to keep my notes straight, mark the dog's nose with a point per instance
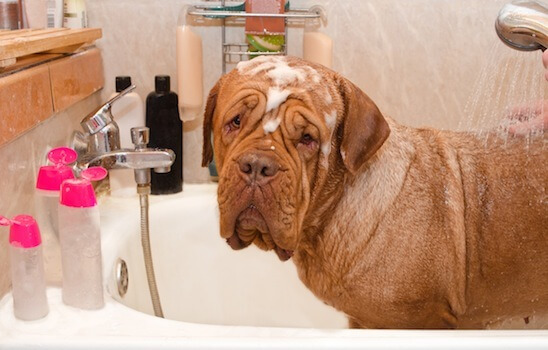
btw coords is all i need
(258, 167)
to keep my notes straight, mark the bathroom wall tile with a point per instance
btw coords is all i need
(70, 83)
(21, 159)
(25, 100)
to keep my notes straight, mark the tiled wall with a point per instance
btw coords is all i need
(424, 62)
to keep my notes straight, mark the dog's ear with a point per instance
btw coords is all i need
(207, 150)
(364, 127)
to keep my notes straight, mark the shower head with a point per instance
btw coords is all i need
(523, 25)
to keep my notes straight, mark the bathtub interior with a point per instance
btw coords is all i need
(200, 278)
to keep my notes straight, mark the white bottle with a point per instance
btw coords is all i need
(128, 112)
(48, 185)
(317, 46)
(27, 268)
(54, 13)
(74, 14)
(189, 73)
(80, 237)
(44, 13)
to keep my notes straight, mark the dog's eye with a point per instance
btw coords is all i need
(235, 123)
(306, 139)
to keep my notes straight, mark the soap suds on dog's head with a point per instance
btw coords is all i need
(283, 75)
(278, 70)
(271, 125)
(275, 98)
(330, 119)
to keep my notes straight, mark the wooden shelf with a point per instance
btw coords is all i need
(16, 44)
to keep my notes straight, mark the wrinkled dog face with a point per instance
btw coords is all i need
(273, 121)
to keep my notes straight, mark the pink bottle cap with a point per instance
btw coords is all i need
(50, 177)
(24, 231)
(79, 193)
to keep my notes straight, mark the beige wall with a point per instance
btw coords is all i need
(425, 62)
(422, 61)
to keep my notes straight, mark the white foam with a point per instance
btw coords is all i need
(313, 74)
(271, 125)
(278, 70)
(326, 148)
(328, 97)
(330, 118)
(275, 98)
(242, 66)
(283, 74)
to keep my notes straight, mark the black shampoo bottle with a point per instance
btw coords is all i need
(166, 131)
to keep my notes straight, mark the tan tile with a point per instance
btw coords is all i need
(25, 100)
(76, 77)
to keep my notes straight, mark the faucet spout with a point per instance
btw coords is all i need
(100, 145)
(146, 158)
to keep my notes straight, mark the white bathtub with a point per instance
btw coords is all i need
(212, 296)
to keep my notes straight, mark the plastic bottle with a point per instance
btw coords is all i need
(166, 131)
(190, 84)
(27, 268)
(44, 13)
(74, 14)
(48, 185)
(317, 46)
(128, 112)
(54, 13)
(80, 237)
(10, 14)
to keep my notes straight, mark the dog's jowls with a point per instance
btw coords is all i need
(395, 226)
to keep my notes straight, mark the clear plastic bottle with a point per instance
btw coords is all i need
(46, 199)
(80, 237)
(48, 185)
(27, 268)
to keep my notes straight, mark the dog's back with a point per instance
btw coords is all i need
(462, 243)
(506, 223)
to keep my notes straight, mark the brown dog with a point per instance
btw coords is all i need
(395, 226)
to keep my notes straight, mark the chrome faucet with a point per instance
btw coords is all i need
(100, 145)
(523, 25)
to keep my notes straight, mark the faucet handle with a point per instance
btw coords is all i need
(140, 136)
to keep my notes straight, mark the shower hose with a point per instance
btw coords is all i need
(143, 191)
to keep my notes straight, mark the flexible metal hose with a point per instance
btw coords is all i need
(143, 191)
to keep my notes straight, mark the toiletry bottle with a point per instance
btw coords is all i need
(317, 46)
(27, 268)
(189, 72)
(44, 13)
(54, 13)
(128, 112)
(10, 14)
(48, 185)
(74, 14)
(80, 237)
(166, 131)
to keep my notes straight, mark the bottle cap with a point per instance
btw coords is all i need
(24, 231)
(162, 83)
(122, 83)
(79, 193)
(50, 177)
